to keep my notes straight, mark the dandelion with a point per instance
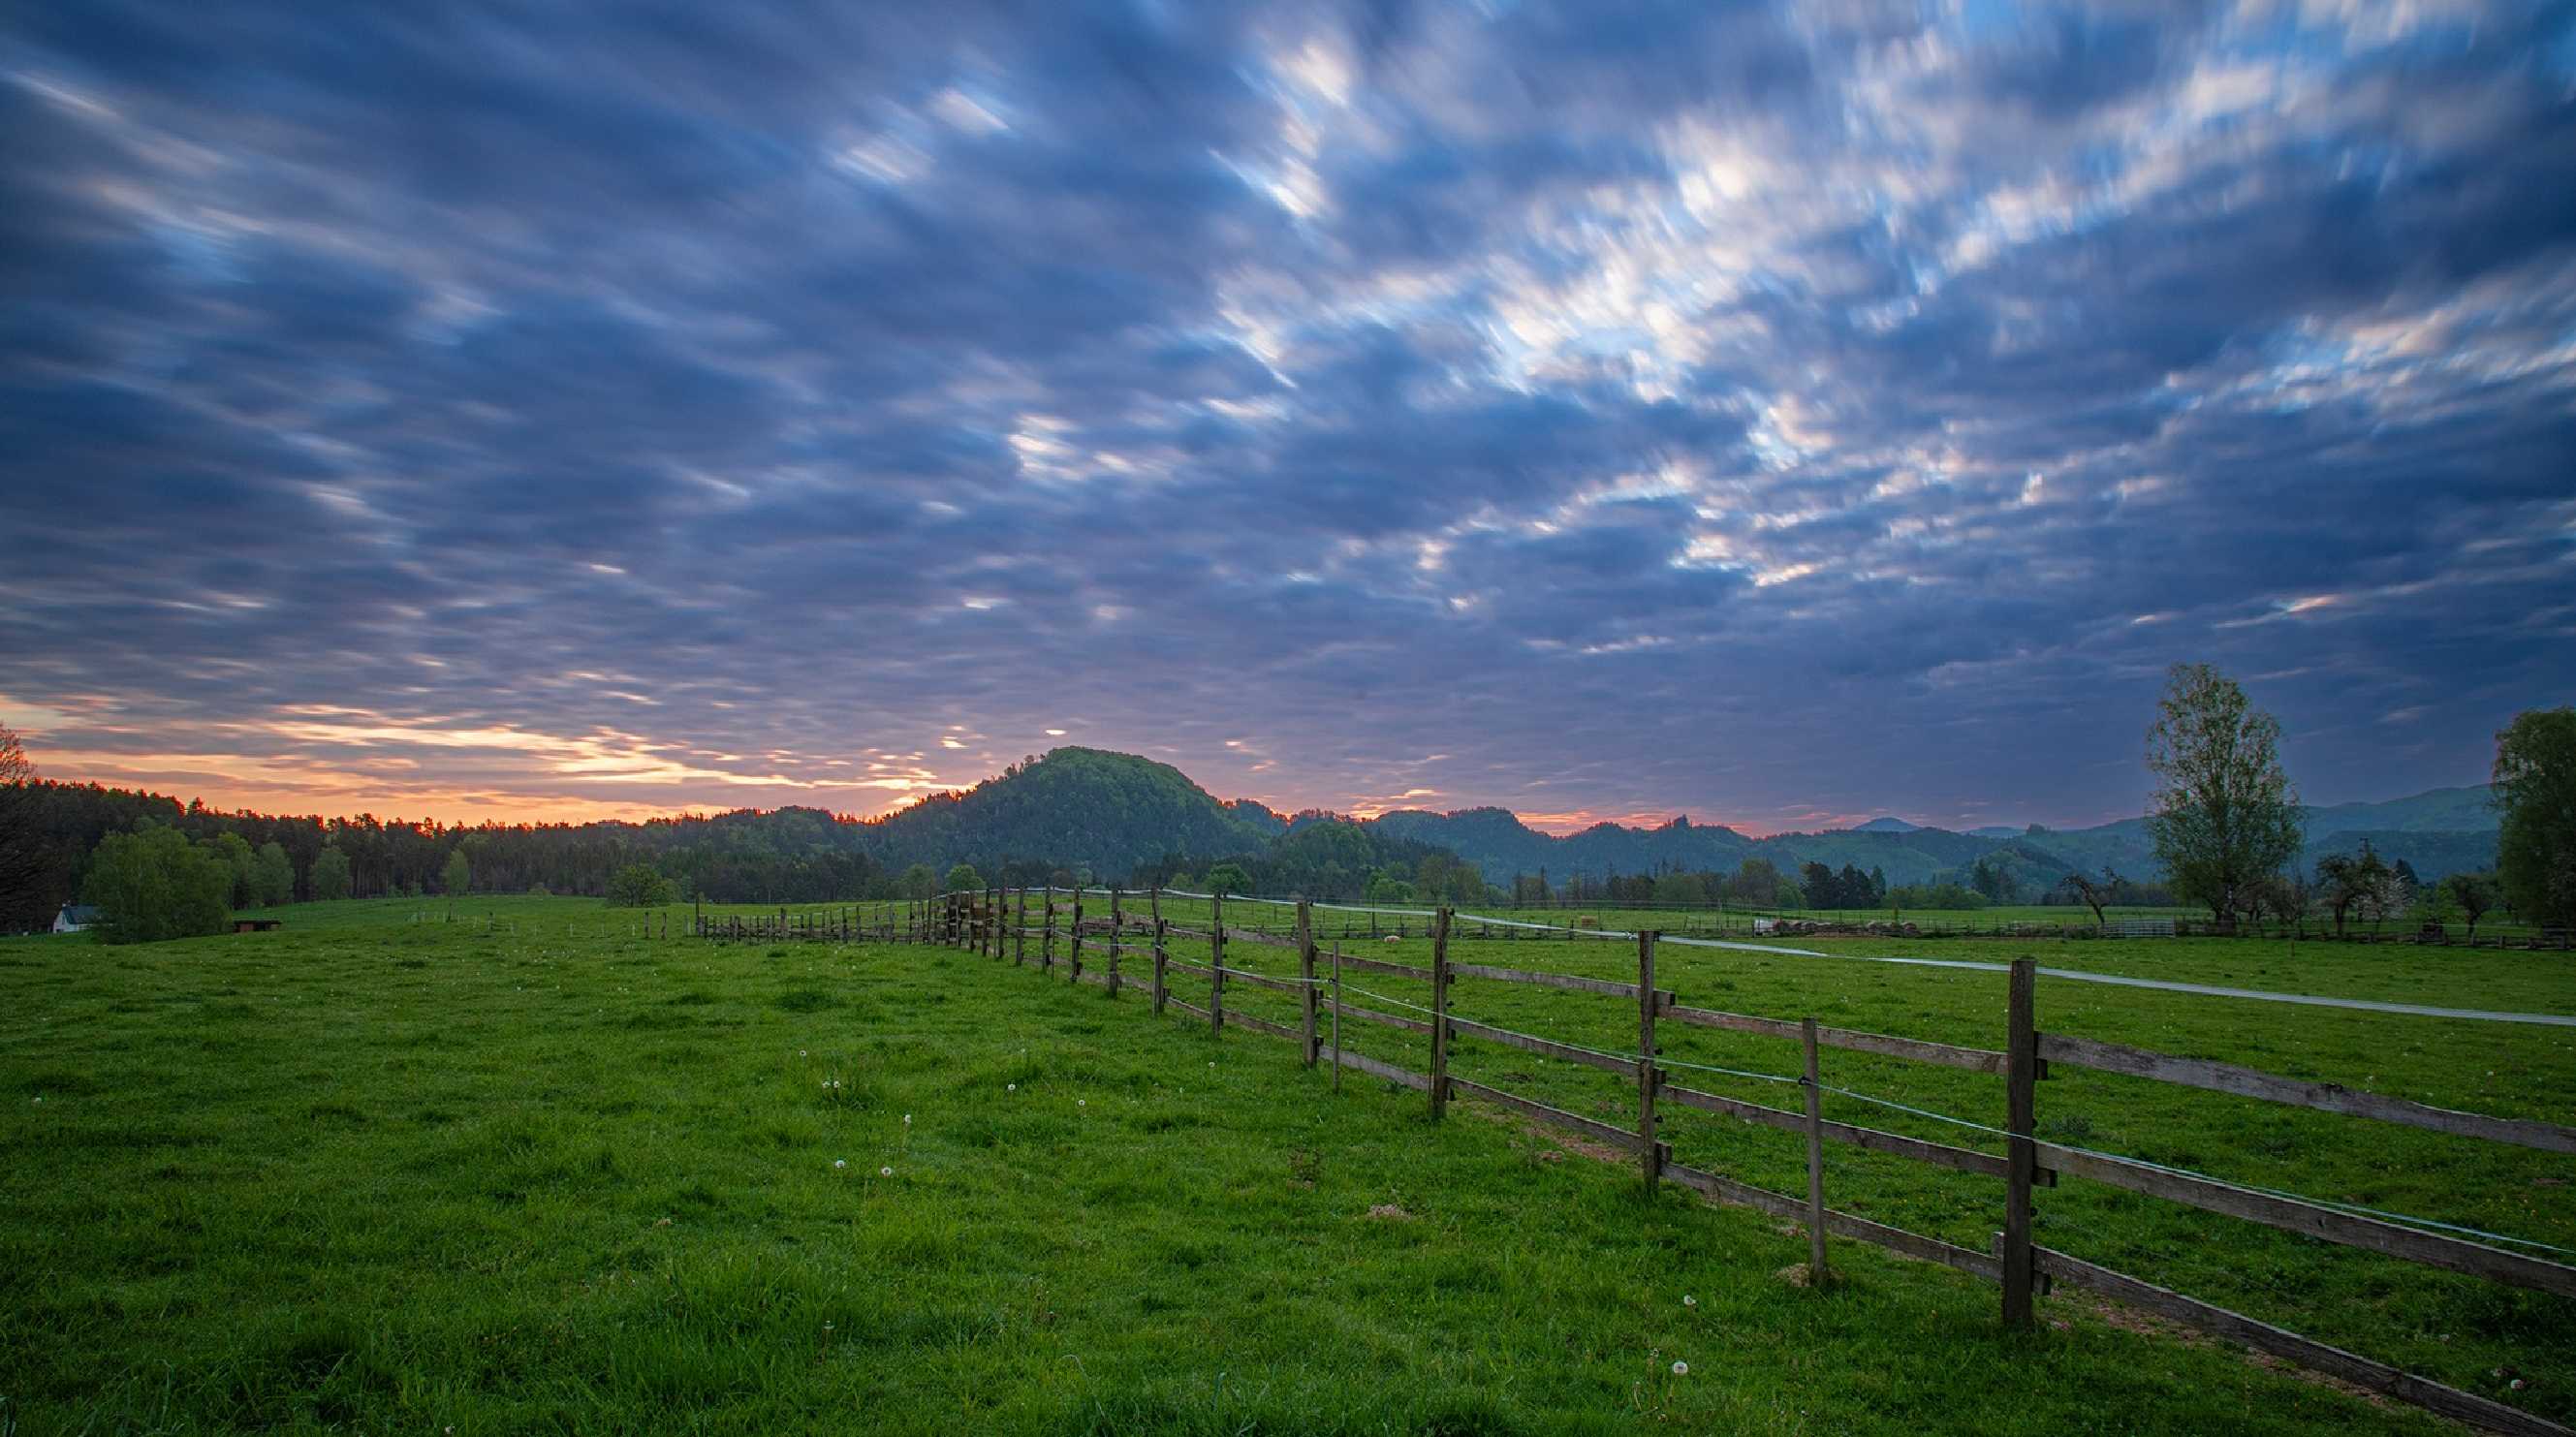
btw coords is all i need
(907, 1120)
(1010, 1087)
(840, 1163)
(885, 1172)
(1681, 1369)
(1082, 1102)
(1689, 1301)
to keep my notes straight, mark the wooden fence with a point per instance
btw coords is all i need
(1100, 931)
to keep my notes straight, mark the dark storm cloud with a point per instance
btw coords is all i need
(1590, 409)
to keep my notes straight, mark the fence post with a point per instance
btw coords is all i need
(1306, 971)
(1337, 1015)
(1817, 1276)
(1154, 900)
(1440, 1013)
(1216, 960)
(1073, 945)
(2020, 1087)
(1650, 1153)
(1113, 942)
(1020, 930)
(1046, 933)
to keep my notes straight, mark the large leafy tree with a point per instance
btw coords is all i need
(154, 884)
(457, 877)
(330, 877)
(23, 861)
(2223, 814)
(962, 878)
(638, 885)
(272, 876)
(2535, 790)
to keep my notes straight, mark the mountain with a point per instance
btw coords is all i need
(1889, 824)
(1995, 832)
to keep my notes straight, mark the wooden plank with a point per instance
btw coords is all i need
(1236, 1018)
(1363, 1063)
(2307, 1352)
(1371, 1015)
(1885, 1045)
(2324, 1097)
(1591, 1128)
(1603, 1061)
(1869, 1139)
(2352, 1230)
(1840, 1224)
(1357, 964)
(1193, 1009)
(1264, 980)
(1663, 997)
(1255, 935)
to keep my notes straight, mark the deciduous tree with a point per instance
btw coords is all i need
(2535, 790)
(153, 885)
(2223, 814)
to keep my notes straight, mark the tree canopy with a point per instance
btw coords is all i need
(153, 884)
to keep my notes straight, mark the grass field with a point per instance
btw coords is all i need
(374, 1174)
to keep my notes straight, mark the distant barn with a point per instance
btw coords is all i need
(75, 918)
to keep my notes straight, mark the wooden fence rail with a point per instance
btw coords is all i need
(2017, 1264)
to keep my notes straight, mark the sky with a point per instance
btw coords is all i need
(1775, 414)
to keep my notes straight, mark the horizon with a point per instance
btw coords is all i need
(1785, 414)
(1553, 826)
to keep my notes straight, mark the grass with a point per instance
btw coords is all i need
(369, 1173)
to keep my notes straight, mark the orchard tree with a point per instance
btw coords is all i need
(2223, 815)
(153, 884)
(1228, 878)
(2346, 883)
(2535, 790)
(2091, 893)
(2473, 894)
(638, 885)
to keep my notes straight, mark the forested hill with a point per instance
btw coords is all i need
(1074, 813)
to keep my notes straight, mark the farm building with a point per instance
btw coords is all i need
(75, 918)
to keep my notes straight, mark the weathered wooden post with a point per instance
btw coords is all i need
(1046, 935)
(1154, 900)
(1306, 972)
(1020, 931)
(1216, 960)
(2021, 1156)
(1440, 1013)
(1073, 969)
(1817, 1276)
(1116, 941)
(1650, 1152)
(1337, 1016)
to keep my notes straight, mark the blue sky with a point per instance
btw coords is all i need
(1779, 414)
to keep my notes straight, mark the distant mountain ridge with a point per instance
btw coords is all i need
(2444, 830)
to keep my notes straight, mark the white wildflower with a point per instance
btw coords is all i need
(1689, 1301)
(885, 1172)
(1681, 1369)
(839, 1163)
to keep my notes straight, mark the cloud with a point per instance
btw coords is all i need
(1759, 411)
